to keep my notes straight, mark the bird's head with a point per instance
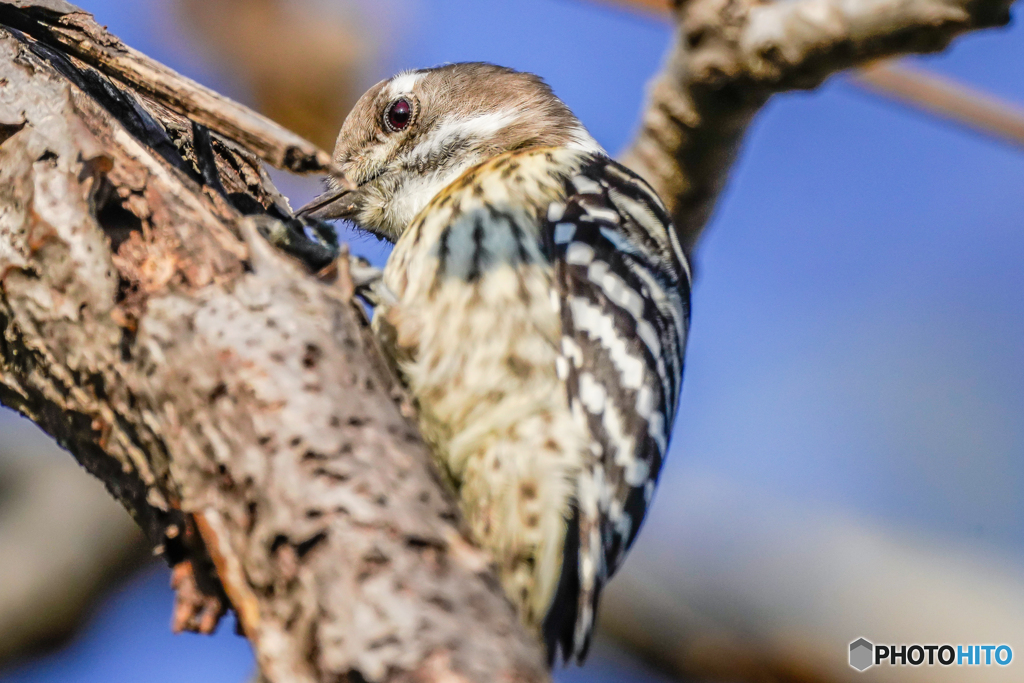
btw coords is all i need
(411, 135)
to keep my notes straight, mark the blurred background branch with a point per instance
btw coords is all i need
(302, 63)
(945, 97)
(915, 87)
(753, 588)
(730, 58)
(64, 540)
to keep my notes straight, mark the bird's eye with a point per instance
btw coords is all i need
(398, 115)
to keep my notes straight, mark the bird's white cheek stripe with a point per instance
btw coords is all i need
(403, 83)
(453, 129)
(485, 125)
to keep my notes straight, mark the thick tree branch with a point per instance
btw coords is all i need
(731, 56)
(918, 88)
(70, 29)
(221, 393)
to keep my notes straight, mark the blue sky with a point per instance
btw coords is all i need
(856, 339)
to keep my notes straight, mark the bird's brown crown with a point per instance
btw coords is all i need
(413, 134)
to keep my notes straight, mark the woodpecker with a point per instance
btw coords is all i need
(537, 305)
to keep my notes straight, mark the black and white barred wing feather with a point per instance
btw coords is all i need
(623, 286)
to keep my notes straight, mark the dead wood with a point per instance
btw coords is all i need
(232, 403)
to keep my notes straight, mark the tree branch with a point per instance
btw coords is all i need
(945, 98)
(731, 56)
(65, 543)
(72, 30)
(238, 407)
(217, 389)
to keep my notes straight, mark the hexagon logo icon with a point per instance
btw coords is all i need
(862, 654)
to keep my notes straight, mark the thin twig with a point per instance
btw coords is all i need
(656, 6)
(946, 98)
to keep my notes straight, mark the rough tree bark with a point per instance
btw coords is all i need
(731, 56)
(232, 403)
(238, 407)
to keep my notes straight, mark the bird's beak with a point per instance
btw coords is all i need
(336, 203)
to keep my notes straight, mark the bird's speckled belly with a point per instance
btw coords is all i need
(478, 349)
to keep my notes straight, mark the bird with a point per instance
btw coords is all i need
(536, 304)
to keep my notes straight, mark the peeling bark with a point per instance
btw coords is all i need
(234, 404)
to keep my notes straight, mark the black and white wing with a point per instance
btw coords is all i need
(623, 284)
